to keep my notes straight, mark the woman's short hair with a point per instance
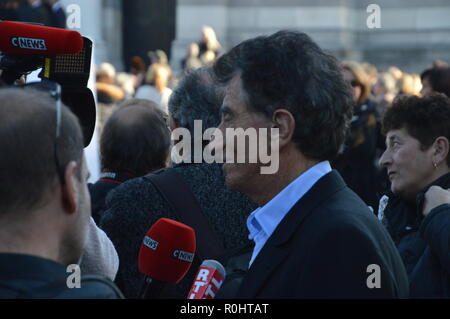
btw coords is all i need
(424, 118)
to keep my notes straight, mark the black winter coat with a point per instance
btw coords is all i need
(31, 277)
(423, 242)
(131, 208)
(356, 163)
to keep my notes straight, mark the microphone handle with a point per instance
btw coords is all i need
(151, 288)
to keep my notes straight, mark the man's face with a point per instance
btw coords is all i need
(408, 166)
(236, 114)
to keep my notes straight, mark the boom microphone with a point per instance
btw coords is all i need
(24, 38)
(165, 256)
(208, 280)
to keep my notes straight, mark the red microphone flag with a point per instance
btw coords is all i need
(167, 251)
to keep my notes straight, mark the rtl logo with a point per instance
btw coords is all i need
(207, 283)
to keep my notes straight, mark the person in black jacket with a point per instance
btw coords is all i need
(135, 141)
(356, 162)
(417, 212)
(314, 237)
(44, 206)
(131, 208)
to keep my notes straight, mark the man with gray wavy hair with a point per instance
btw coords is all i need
(314, 237)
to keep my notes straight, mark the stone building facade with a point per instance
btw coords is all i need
(412, 33)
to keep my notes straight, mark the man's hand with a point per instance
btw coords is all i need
(434, 197)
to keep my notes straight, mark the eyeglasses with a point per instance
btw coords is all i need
(54, 90)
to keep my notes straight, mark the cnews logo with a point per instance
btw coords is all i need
(150, 243)
(183, 255)
(28, 43)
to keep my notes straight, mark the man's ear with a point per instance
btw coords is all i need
(440, 150)
(285, 122)
(70, 189)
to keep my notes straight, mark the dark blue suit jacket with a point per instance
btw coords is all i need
(323, 249)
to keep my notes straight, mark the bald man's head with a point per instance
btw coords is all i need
(136, 138)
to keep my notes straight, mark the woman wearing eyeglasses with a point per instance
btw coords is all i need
(356, 163)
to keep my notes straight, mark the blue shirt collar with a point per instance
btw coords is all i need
(267, 218)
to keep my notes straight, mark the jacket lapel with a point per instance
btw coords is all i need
(275, 250)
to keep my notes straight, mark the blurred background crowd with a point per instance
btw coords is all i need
(373, 91)
(154, 75)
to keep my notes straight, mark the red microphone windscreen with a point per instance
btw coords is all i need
(24, 38)
(167, 251)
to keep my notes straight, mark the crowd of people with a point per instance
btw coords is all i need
(363, 176)
(154, 81)
(373, 93)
